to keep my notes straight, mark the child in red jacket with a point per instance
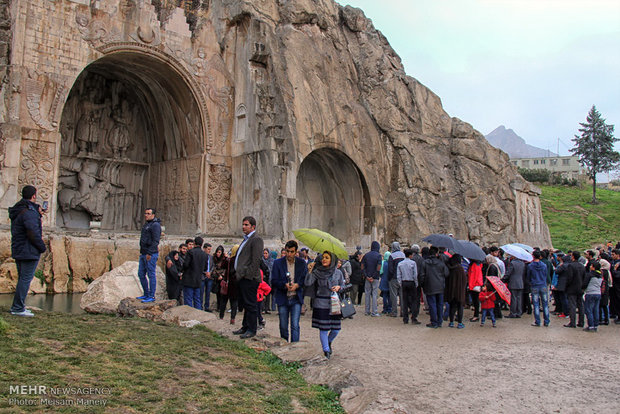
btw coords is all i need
(487, 303)
(263, 290)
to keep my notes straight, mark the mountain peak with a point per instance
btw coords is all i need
(508, 141)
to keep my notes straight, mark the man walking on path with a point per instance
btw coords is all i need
(407, 277)
(395, 258)
(434, 283)
(287, 277)
(537, 275)
(371, 265)
(26, 245)
(247, 267)
(149, 252)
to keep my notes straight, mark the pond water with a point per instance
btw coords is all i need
(60, 302)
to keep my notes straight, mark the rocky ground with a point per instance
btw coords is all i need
(512, 368)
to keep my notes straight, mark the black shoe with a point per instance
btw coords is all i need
(568, 325)
(328, 354)
(247, 335)
(406, 322)
(580, 325)
(415, 322)
(240, 331)
(511, 316)
(208, 310)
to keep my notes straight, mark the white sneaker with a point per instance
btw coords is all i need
(23, 313)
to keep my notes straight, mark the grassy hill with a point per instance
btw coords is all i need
(574, 223)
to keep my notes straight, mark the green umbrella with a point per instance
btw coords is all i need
(319, 241)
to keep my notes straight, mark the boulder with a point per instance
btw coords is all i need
(331, 375)
(106, 292)
(151, 310)
(301, 351)
(183, 315)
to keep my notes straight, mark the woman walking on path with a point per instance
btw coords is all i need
(320, 284)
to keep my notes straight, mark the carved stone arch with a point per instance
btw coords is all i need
(135, 133)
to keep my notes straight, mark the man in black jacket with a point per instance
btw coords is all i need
(247, 267)
(149, 252)
(433, 282)
(195, 268)
(574, 291)
(26, 245)
(419, 261)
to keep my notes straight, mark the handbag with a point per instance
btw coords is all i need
(346, 307)
(335, 308)
(224, 287)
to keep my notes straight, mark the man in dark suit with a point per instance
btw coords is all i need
(194, 270)
(247, 267)
(287, 278)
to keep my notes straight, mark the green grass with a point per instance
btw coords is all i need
(149, 367)
(574, 222)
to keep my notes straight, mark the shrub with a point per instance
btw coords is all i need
(535, 176)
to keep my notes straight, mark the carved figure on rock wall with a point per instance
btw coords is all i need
(118, 137)
(88, 126)
(96, 32)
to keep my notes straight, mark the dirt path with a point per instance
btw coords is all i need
(512, 368)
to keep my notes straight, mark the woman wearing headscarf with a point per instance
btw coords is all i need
(231, 287)
(173, 276)
(217, 273)
(268, 263)
(605, 285)
(324, 279)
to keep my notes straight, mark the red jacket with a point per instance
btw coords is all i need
(474, 275)
(487, 300)
(263, 289)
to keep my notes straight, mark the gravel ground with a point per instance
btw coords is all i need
(512, 368)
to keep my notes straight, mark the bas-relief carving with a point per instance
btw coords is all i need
(97, 30)
(103, 156)
(44, 93)
(37, 167)
(218, 198)
(177, 190)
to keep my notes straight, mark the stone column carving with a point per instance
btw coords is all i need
(37, 168)
(218, 199)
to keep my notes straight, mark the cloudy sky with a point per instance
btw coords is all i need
(536, 66)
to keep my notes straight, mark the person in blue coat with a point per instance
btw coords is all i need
(287, 280)
(26, 245)
(149, 252)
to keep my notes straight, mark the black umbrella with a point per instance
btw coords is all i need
(471, 250)
(443, 240)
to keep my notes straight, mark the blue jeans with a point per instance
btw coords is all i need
(540, 292)
(387, 306)
(435, 307)
(292, 310)
(490, 312)
(592, 304)
(25, 272)
(148, 268)
(192, 297)
(327, 337)
(207, 285)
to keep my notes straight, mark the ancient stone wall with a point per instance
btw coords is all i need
(298, 112)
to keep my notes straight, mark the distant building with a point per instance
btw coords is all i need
(568, 166)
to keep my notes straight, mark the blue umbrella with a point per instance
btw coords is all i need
(470, 250)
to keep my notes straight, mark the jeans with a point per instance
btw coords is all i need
(592, 302)
(207, 284)
(372, 290)
(387, 305)
(148, 268)
(486, 312)
(192, 297)
(292, 311)
(540, 292)
(25, 272)
(435, 307)
(327, 337)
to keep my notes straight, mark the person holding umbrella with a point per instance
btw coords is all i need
(319, 285)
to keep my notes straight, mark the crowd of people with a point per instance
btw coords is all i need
(585, 289)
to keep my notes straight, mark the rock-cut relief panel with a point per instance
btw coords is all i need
(218, 199)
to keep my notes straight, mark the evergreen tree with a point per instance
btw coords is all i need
(595, 147)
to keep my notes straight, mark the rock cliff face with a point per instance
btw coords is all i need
(334, 82)
(297, 112)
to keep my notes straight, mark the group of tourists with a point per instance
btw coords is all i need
(252, 279)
